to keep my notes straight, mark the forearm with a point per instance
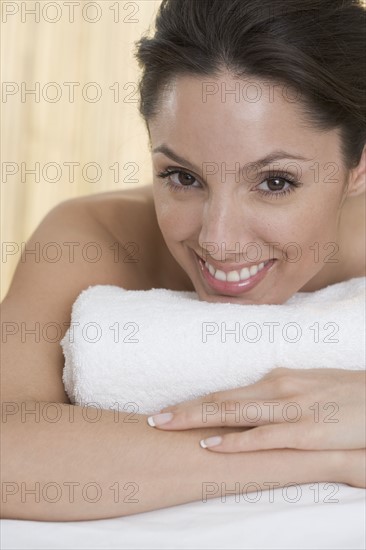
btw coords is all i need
(82, 470)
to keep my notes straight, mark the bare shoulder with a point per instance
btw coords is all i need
(126, 221)
(347, 257)
(96, 239)
(114, 208)
(129, 220)
(129, 211)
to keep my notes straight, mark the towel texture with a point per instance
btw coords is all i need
(147, 349)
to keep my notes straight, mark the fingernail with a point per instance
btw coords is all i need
(210, 441)
(159, 419)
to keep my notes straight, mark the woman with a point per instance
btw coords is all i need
(256, 118)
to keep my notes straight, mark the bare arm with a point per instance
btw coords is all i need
(82, 467)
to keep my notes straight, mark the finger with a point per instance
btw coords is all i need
(184, 418)
(233, 413)
(276, 436)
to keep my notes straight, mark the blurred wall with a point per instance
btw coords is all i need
(70, 121)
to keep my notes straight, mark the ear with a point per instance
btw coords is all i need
(357, 177)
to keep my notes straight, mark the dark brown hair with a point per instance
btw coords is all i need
(317, 46)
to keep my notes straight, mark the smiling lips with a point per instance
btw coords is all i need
(235, 275)
(234, 281)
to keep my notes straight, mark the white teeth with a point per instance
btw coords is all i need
(234, 276)
(253, 270)
(220, 275)
(244, 273)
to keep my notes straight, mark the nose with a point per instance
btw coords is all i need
(223, 232)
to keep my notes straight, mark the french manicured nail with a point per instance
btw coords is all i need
(210, 441)
(159, 419)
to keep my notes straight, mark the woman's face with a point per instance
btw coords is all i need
(273, 223)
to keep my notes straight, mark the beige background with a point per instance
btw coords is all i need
(105, 132)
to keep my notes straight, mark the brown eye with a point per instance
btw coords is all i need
(185, 179)
(184, 183)
(276, 184)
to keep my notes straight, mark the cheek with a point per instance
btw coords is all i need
(304, 233)
(177, 220)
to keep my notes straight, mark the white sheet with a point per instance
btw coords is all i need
(275, 523)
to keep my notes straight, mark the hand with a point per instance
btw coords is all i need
(310, 409)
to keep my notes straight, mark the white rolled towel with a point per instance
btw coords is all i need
(144, 350)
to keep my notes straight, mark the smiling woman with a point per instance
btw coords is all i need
(257, 112)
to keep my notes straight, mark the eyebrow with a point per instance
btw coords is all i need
(260, 163)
